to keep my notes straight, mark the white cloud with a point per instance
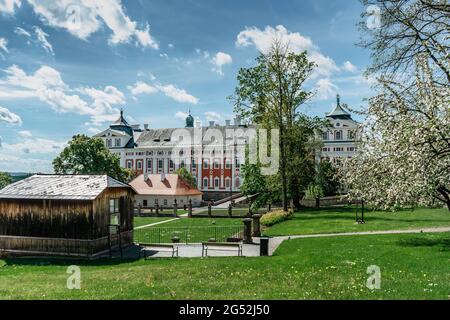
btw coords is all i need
(22, 32)
(94, 131)
(42, 38)
(25, 134)
(34, 146)
(179, 95)
(82, 18)
(47, 85)
(326, 89)
(349, 67)
(10, 163)
(181, 115)
(4, 45)
(219, 60)
(263, 39)
(9, 117)
(8, 6)
(142, 88)
(171, 91)
(213, 116)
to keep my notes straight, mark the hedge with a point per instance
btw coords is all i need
(272, 218)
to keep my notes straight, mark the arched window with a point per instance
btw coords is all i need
(227, 182)
(216, 182)
(205, 183)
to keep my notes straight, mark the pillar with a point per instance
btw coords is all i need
(257, 225)
(248, 231)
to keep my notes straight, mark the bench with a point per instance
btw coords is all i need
(160, 248)
(221, 246)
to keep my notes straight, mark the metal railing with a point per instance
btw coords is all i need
(189, 234)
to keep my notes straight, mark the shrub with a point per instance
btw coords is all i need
(272, 218)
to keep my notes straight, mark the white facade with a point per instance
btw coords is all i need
(339, 139)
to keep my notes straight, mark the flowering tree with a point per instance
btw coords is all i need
(404, 153)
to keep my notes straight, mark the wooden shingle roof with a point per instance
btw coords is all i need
(60, 187)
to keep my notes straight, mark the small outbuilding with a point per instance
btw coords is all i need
(162, 189)
(71, 215)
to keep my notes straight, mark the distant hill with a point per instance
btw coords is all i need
(17, 176)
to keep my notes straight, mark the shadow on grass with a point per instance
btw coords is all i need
(423, 242)
(367, 217)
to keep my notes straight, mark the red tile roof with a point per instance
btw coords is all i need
(172, 185)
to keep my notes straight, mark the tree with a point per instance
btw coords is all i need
(327, 178)
(5, 179)
(408, 29)
(404, 155)
(186, 176)
(270, 94)
(85, 155)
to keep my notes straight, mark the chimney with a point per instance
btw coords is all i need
(163, 176)
(211, 124)
(146, 177)
(228, 123)
(237, 121)
(146, 127)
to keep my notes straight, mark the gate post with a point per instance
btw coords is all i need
(190, 209)
(230, 210)
(248, 231)
(175, 208)
(257, 225)
(210, 209)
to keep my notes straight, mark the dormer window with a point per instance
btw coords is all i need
(117, 143)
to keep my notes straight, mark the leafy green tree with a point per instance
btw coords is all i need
(187, 176)
(270, 94)
(327, 178)
(5, 179)
(85, 155)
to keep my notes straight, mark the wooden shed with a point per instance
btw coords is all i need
(74, 215)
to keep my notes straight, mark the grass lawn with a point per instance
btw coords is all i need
(193, 230)
(412, 267)
(339, 220)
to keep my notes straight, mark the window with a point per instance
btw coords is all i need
(171, 165)
(114, 211)
(108, 143)
(351, 135)
(216, 182)
(117, 143)
(149, 165)
(351, 149)
(325, 136)
(205, 183)
(182, 165)
(129, 164)
(145, 203)
(160, 165)
(227, 164)
(139, 165)
(205, 164)
(216, 164)
(227, 182)
(193, 165)
(165, 202)
(338, 135)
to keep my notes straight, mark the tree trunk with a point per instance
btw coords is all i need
(283, 170)
(446, 195)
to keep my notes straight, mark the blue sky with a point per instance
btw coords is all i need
(67, 67)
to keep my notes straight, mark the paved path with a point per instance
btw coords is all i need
(275, 242)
